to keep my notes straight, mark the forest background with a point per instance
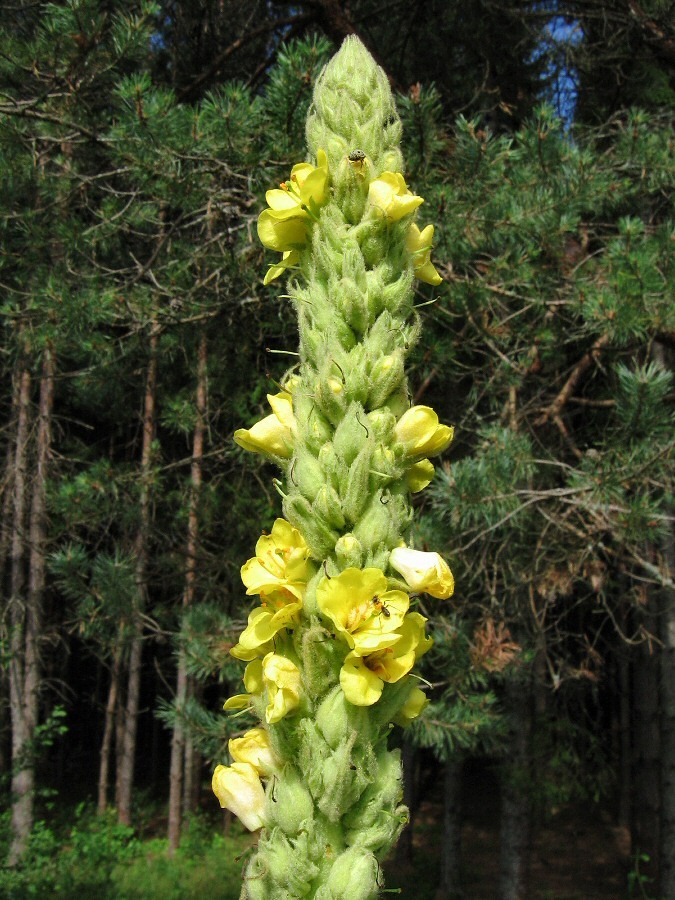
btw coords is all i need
(136, 143)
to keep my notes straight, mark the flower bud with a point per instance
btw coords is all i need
(423, 572)
(420, 433)
(239, 789)
(349, 551)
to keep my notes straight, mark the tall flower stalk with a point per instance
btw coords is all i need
(331, 646)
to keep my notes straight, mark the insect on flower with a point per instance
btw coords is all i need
(357, 160)
(380, 607)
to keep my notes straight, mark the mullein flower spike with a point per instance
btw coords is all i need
(331, 645)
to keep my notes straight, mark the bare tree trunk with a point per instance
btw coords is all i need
(26, 627)
(666, 613)
(646, 743)
(5, 576)
(451, 853)
(667, 622)
(516, 813)
(193, 761)
(21, 799)
(108, 729)
(179, 757)
(126, 763)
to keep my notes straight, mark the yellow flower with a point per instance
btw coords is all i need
(291, 212)
(238, 788)
(280, 563)
(418, 243)
(362, 677)
(282, 681)
(421, 434)
(389, 193)
(364, 612)
(263, 625)
(254, 748)
(423, 572)
(279, 573)
(273, 434)
(419, 475)
(413, 706)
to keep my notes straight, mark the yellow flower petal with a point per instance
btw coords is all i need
(364, 612)
(389, 194)
(282, 233)
(254, 748)
(419, 475)
(413, 706)
(282, 681)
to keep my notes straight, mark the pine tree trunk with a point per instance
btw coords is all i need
(646, 746)
(451, 852)
(125, 768)
(666, 877)
(108, 729)
(515, 826)
(178, 741)
(25, 691)
(21, 777)
(5, 576)
(667, 622)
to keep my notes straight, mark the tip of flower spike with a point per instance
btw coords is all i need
(354, 107)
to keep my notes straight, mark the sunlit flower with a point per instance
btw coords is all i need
(254, 748)
(364, 612)
(419, 475)
(418, 243)
(263, 624)
(280, 563)
(362, 678)
(389, 193)
(423, 572)
(292, 208)
(278, 572)
(281, 678)
(421, 434)
(239, 789)
(273, 434)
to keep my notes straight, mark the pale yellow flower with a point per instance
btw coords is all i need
(423, 571)
(362, 677)
(239, 789)
(365, 614)
(389, 193)
(418, 243)
(292, 209)
(254, 748)
(419, 431)
(281, 678)
(275, 433)
(281, 563)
